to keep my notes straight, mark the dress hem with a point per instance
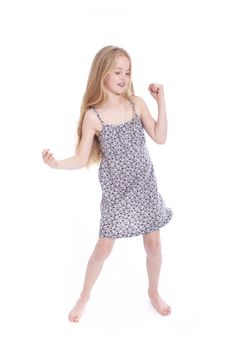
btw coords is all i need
(155, 228)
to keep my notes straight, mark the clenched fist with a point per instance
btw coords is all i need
(156, 91)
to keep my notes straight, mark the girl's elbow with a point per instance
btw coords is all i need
(160, 138)
(160, 141)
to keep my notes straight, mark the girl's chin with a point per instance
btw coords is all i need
(120, 91)
(117, 92)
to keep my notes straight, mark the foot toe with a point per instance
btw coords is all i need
(168, 310)
(70, 317)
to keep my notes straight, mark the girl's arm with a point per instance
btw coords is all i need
(157, 130)
(157, 91)
(80, 160)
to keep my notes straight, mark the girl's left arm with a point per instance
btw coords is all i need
(156, 129)
(157, 91)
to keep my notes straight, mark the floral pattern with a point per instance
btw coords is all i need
(131, 204)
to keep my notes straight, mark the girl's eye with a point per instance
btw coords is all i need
(120, 72)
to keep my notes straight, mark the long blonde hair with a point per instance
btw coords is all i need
(95, 93)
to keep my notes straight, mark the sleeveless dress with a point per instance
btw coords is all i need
(131, 204)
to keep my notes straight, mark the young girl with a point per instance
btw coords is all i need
(111, 133)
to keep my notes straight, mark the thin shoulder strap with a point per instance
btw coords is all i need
(102, 122)
(133, 106)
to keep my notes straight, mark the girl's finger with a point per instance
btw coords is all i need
(45, 157)
(46, 153)
(48, 159)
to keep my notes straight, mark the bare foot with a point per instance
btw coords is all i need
(77, 311)
(159, 304)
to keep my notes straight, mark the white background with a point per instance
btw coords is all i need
(50, 218)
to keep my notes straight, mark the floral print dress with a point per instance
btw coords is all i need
(131, 204)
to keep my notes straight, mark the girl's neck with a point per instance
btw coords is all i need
(114, 101)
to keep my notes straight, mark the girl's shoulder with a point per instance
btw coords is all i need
(90, 120)
(138, 102)
(137, 99)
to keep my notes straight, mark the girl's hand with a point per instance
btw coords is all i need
(157, 91)
(49, 159)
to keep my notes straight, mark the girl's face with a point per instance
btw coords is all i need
(118, 79)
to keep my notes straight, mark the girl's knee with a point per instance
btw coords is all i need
(103, 248)
(152, 246)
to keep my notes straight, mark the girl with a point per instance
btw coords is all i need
(111, 133)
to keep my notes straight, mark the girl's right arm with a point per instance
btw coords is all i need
(80, 160)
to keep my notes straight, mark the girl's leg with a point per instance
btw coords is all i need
(94, 267)
(152, 244)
